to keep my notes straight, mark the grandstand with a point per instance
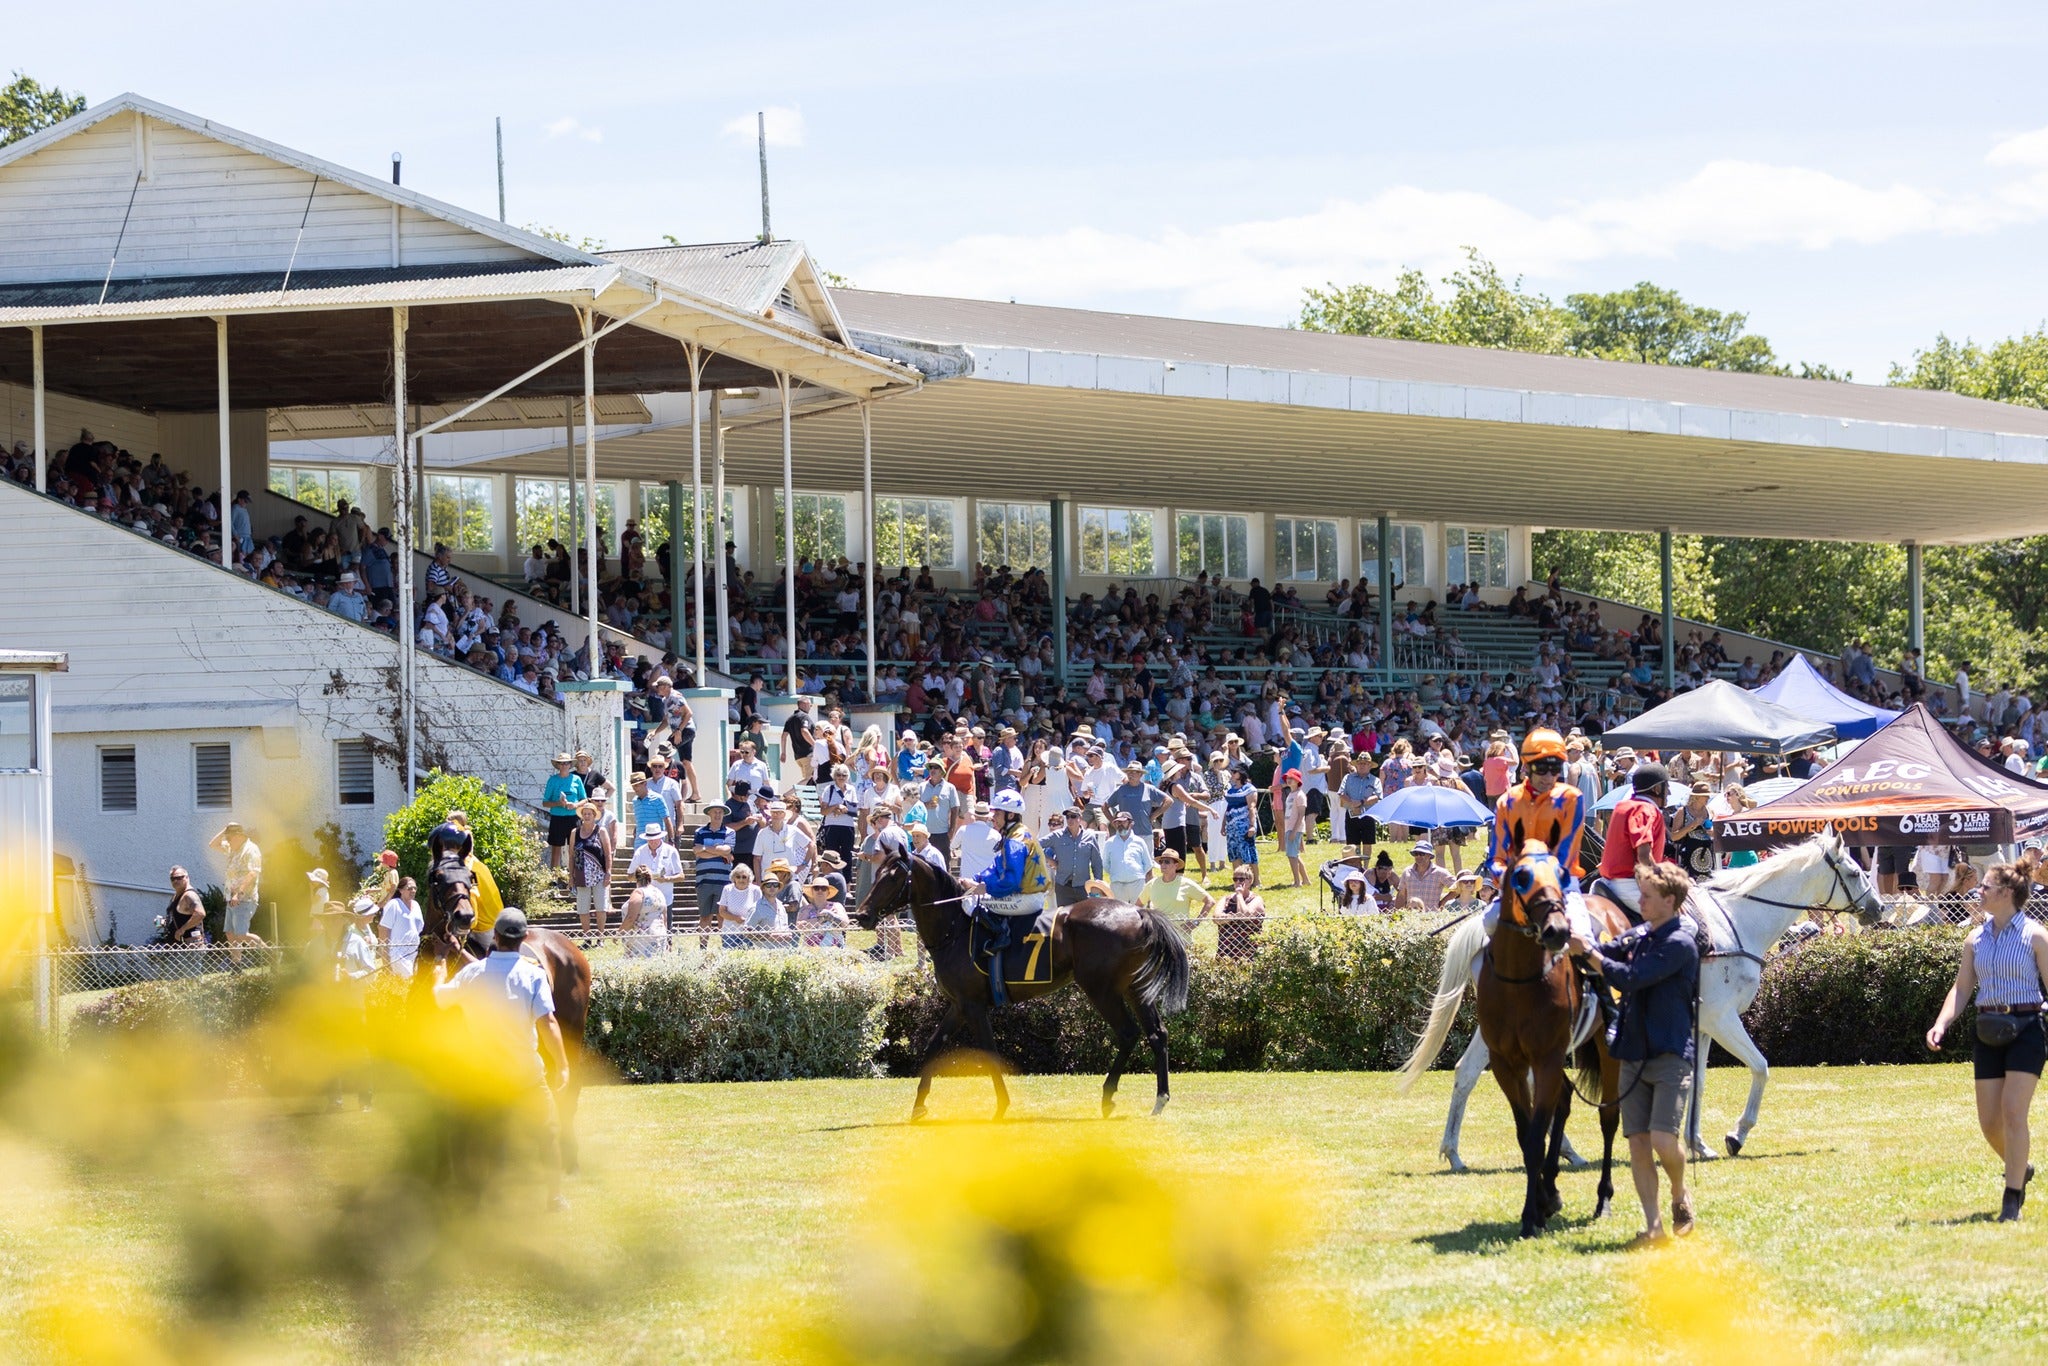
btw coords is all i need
(220, 313)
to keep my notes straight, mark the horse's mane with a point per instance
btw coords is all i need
(1744, 881)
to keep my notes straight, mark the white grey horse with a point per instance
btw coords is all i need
(1747, 910)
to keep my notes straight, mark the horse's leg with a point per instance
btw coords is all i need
(948, 1023)
(1514, 1084)
(1112, 1008)
(1471, 1064)
(1726, 1030)
(1155, 1034)
(1610, 1120)
(985, 1039)
(1561, 1109)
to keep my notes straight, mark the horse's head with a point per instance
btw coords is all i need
(1847, 881)
(1533, 899)
(450, 909)
(892, 891)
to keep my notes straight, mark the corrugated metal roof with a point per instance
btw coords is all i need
(369, 419)
(744, 275)
(979, 322)
(72, 300)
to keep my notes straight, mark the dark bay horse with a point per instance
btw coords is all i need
(451, 938)
(1529, 1002)
(1129, 961)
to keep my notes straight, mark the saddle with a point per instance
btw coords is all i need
(1604, 899)
(1027, 958)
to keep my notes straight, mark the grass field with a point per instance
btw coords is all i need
(1861, 1210)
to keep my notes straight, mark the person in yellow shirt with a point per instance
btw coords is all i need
(1174, 896)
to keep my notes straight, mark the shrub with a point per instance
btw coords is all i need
(217, 1003)
(505, 839)
(1859, 999)
(740, 1017)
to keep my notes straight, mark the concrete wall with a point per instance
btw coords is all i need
(167, 651)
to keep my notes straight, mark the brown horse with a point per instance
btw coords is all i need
(450, 938)
(1129, 961)
(1529, 1003)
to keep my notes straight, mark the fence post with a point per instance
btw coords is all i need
(46, 1013)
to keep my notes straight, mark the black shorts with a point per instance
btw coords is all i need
(2028, 1053)
(1182, 839)
(560, 828)
(685, 741)
(839, 839)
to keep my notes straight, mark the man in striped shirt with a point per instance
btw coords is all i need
(713, 842)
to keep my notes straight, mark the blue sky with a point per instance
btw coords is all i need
(1856, 177)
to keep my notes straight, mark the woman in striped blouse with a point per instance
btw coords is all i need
(2005, 959)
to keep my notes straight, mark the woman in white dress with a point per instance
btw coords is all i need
(1033, 781)
(1214, 842)
(1059, 787)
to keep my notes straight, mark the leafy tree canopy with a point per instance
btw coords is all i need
(28, 106)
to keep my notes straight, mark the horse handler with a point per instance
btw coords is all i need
(507, 999)
(1656, 968)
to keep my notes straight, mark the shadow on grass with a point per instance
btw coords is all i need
(1493, 1236)
(985, 1122)
(1620, 1164)
(1982, 1216)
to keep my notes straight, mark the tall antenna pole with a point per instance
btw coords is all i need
(761, 133)
(501, 169)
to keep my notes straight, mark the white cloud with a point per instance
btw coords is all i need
(785, 126)
(2026, 149)
(1258, 268)
(572, 127)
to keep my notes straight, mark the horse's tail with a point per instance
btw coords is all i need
(1464, 942)
(1161, 981)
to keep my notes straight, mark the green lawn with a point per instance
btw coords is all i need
(1860, 1209)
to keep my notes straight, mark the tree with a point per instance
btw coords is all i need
(2012, 371)
(28, 106)
(1651, 325)
(1483, 309)
(505, 839)
(1623, 565)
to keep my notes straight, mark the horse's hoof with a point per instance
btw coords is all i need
(1553, 1204)
(1734, 1145)
(1704, 1154)
(1159, 1104)
(1600, 1210)
(1108, 1107)
(1529, 1230)
(918, 1112)
(1577, 1163)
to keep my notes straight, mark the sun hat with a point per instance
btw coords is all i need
(652, 830)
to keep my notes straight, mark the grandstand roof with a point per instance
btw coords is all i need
(125, 230)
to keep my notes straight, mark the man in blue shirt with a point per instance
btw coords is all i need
(649, 808)
(714, 844)
(1656, 968)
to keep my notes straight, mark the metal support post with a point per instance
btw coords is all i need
(1386, 591)
(1670, 618)
(595, 646)
(227, 475)
(1916, 606)
(788, 534)
(695, 354)
(867, 493)
(1059, 590)
(402, 518)
(569, 453)
(42, 416)
(724, 606)
(677, 618)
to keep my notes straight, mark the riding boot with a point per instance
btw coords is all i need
(996, 992)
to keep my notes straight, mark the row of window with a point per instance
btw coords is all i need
(213, 777)
(1114, 542)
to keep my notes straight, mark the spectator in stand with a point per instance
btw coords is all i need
(399, 926)
(1075, 857)
(243, 887)
(799, 739)
(660, 784)
(663, 864)
(559, 798)
(1126, 858)
(1293, 824)
(590, 868)
(1138, 799)
(713, 842)
(648, 809)
(1174, 896)
(838, 809)
(643, 919)
(823, 919)
(785, 839)
(975, 844)
(941, 801)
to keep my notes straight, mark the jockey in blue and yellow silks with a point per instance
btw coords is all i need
(1018, 870)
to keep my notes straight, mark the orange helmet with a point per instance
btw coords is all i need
(1542, 743)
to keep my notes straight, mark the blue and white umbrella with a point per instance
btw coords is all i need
(1620, 794)
(1430, 808)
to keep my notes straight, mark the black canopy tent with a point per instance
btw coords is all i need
(1911, 783)
(1720, 716)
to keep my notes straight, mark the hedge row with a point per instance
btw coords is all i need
(1321, 995)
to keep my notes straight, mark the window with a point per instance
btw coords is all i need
(213, 781)
(1407, 538)
(820, 527)
(915, 531)
(546, 510)
(17, 721)
(1305, 549)
(1213, 541)
(461, 512)
(1015, 534)
(654, 520)
(355, 773)
(1116, 541)
(320, 488)
(1476, 555)
(117, 777)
